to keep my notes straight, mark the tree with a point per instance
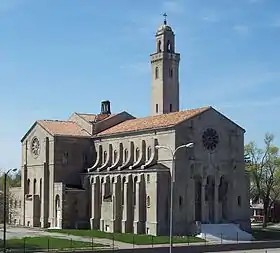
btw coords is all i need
(264, 168)
(12, 203)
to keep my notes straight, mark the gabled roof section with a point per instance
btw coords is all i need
(64, 128)
(153, 122)
(94, 118)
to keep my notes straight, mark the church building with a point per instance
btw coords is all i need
(110, 171)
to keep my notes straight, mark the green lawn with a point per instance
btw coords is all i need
(266, 234)
(128, 238)
(37, 243)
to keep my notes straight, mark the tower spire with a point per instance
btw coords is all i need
(165, 16)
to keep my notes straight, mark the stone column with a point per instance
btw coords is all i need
(95, 204)
(136, 222)
(116, 205)
(216, 201)
(102, 186)
(126, 208)
(203, 184)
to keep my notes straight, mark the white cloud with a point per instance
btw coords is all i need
(241, 29)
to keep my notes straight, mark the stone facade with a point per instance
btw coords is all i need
(106, 172)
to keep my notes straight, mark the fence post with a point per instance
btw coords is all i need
(221, 238)
(152, 241)
(48, 244)
(205, 238)
(24, 244)
(71, 244)
(188, 240)
(133, 240)
(92, 247)
(113, 242)
(237, 238)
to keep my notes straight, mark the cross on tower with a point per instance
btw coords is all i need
(164, 15)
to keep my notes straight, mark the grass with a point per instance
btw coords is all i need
(128, 238)
(266, 234)
(46, 242)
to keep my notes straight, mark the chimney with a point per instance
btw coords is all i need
(105, 107)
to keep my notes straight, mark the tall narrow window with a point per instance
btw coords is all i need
(170, 107)
(156, 73)
(156, 108)
(159, 46)
(34, 186)
(168, 46)
(170, 72)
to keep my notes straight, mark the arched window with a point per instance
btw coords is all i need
(168, 46)
(156, 108)
(180, 201)
(170, 72)
(34, 186)
(148, 201)
(28, 186)
(156, 73)
(159, 46)
(239, 200)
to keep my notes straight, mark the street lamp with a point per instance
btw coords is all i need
(5, 206)
(172, 176)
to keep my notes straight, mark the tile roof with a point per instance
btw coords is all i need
(94, 117)
(66, 128)
(153, 122)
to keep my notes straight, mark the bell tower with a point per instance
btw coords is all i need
(165, 72)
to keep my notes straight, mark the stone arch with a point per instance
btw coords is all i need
(197, 197)
(209, 197)
(223, 190)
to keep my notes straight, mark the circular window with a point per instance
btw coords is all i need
(35, 147)
(210, 139)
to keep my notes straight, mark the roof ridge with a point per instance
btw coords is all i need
(56, 120)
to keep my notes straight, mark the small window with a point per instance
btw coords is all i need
(148, 201)
(65, 158)
(180, 201)
(170, 72)
(156, 73)
(159, 46)
(170, 108)
(239, 200)
(148, 179)
(156, 108)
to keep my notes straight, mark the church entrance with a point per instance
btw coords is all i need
(197, 191)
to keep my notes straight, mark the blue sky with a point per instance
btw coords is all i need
(57, 57)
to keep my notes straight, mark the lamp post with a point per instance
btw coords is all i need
(5, 206)
(172, 177)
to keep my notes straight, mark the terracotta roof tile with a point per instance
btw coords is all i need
(153, 122)
(94, 117)
(66, 128)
